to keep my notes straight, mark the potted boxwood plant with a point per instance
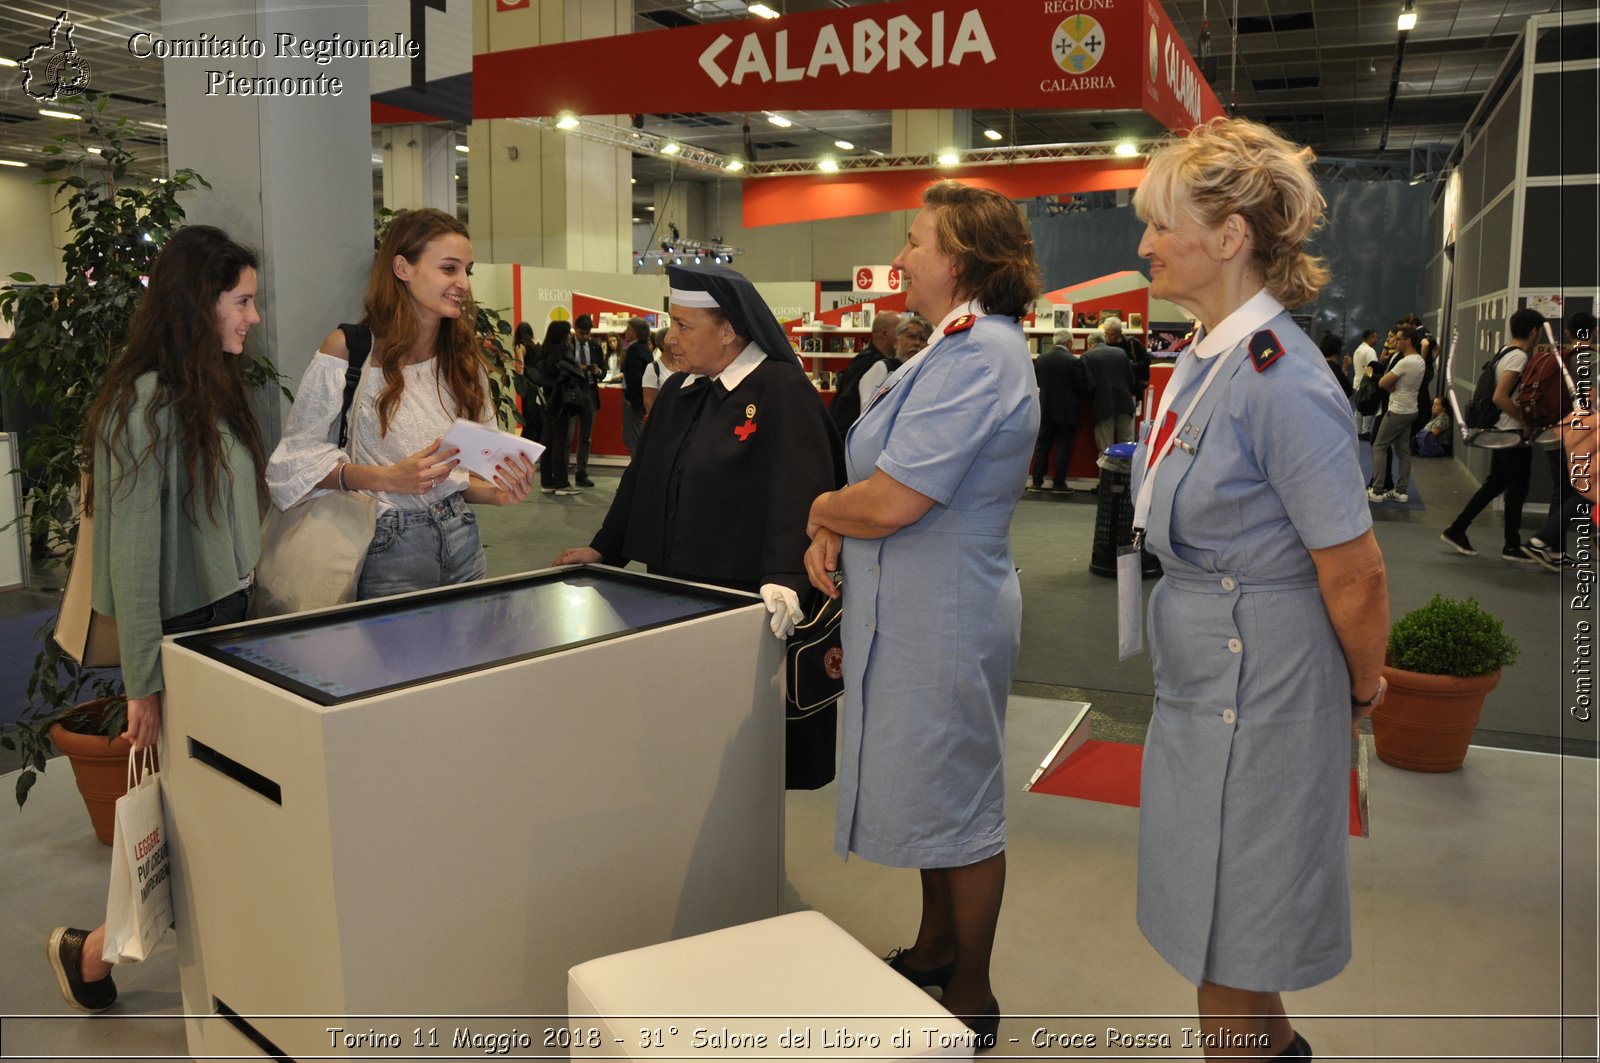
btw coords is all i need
(1443, 659)
(65, 335)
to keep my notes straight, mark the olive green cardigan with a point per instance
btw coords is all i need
(153, 557)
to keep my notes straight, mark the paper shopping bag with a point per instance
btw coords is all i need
(139, 902)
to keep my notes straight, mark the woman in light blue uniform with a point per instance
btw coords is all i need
(1274, 606)
(933, 612)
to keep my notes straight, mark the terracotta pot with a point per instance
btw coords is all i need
(1426, 721)
(101, 768)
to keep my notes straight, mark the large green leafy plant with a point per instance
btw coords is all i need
(65, 336)
(1450, 637)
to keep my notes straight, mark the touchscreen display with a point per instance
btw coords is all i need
(350, 654)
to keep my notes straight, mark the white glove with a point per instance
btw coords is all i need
(784, 605)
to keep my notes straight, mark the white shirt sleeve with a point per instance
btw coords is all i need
(870, 381)
(309, 449)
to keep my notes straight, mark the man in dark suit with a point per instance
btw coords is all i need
(1117, 336)
(1115, 389)
(591, 355)
(635, 360)
(1064, 384)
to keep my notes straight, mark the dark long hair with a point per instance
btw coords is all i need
(174, 335)
(556, 333)
(393, 320)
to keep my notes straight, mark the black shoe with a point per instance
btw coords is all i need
(1458, 539)
(66, 957)
(1062, 490)
(584, 481)
(937, 977)
(985, 1027)
(1298, 1049)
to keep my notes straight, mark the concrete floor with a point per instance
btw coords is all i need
(1474, 899)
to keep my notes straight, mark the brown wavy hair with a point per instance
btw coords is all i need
(174, 335)
(987, 236)
(1236, 166)
(393, 320)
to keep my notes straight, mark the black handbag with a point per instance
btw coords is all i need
(1369, 397)
(815, 672)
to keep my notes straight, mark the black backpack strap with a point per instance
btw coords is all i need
(358, 340)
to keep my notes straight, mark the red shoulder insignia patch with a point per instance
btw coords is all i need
(1264, 350)
(961, 324)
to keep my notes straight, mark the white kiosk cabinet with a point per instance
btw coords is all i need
(389, 816)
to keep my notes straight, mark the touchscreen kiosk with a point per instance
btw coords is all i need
(396, 814)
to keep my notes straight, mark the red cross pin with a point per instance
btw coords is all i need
(743, 431)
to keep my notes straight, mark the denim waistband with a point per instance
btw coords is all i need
(451, 506)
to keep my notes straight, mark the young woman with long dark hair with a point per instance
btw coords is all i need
(175, 488)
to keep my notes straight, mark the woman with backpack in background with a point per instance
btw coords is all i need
(1508, 466)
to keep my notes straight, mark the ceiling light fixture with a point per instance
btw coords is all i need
(993, 134)
(1408, 18)
(778, 120)
(1127, 149)
(153, 125)
(61, 114)
(761, 10)
(8, 62)
(671, 148)
(94, 151)
(948, 157)
(566, 120)
(828, 165)
(734, 165)
(462, 148)
(844, 145)
(11, 162)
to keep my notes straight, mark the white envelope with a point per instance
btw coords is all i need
(483, 448)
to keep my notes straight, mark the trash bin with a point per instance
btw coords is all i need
(1113, 519)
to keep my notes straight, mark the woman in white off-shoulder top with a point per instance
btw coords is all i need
(425, 371)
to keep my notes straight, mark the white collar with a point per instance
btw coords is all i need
(734, 372)
(1245, 321)
(971, 306)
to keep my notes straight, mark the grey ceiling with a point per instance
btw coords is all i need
(1319, 70)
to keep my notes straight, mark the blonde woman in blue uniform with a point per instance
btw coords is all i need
(933, 616)
(1267, 632)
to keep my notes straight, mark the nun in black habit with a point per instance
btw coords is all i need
(736, 447)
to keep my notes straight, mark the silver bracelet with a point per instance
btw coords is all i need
(342, 466)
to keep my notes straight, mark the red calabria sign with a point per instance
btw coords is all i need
(1024, 54)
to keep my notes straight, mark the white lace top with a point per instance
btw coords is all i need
(309, 449)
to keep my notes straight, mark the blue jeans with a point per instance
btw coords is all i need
(415, 549)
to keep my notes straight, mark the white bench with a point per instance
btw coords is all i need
(792, 987)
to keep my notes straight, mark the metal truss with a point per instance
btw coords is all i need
(1010, 155)
(1361, 170)
(638, 140)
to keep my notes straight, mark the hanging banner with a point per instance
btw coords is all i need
(1021, 54)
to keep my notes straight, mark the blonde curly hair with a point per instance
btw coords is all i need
(1236, 166)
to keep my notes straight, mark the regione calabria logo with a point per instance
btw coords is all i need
(55, 68)
(1078, 44)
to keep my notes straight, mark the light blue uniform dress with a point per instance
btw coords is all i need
(1244, 806)
(932, 612)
